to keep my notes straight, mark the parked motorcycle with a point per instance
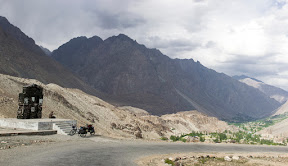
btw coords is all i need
(83, 130)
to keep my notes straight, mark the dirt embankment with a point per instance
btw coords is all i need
(109, 120)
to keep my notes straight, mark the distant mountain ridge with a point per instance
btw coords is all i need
(132, 74)
(241, 77)
(276, 93)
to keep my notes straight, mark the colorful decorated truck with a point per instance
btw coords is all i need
(30, 102)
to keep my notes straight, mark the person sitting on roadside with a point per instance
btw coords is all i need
(51, 115)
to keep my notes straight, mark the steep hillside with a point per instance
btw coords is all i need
(278, 94)
(279, 130)
(21, 57)
(132, 74)
(281, 110)
(18, 35)
(108, 120)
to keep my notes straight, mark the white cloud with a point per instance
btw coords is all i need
(234, 37)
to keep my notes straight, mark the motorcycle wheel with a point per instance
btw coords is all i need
(72, 132)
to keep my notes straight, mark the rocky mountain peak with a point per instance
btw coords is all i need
(81, 41)
(120, 38)
(75, 42)
(96, 39)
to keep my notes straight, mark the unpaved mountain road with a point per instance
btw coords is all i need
(100, 151)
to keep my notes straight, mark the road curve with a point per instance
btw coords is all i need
(101, 151)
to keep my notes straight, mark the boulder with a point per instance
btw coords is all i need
(227, 158)
(235, 158)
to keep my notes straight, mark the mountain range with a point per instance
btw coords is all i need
(132, 74)
(125, 73)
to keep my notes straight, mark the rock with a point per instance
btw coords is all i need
(138, 135)
(242, 157)
(235, 158)
(212, 156)
(171, 158)
(227, 158)
(113, 125)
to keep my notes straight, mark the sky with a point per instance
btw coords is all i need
(236, 37)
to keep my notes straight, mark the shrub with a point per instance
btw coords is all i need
(202, 139)
(138, 135)
(167, 161)
(174, 138)
(183, 139)
(164, 138)
(222, 136)
(216, 140)
(203, 160)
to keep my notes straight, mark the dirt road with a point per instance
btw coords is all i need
(104, 151)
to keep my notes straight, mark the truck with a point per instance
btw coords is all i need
(30, 102)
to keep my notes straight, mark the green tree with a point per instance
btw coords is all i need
(202, 139)
(216, 140)
(222, 136)
(174, 138)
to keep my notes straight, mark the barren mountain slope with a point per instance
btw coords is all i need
(107, 119)
(279, 129)
(21, 57)
(199, 121)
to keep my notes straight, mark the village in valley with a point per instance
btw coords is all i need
(246, 133)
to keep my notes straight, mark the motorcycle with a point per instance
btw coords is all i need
(84, 130)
